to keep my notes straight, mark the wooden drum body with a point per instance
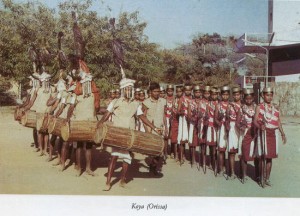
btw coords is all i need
(82, 130)
(55, 125)
(131, 140)
(42, 122)
(29, 119)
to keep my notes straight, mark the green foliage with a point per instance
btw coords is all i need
(25, 24)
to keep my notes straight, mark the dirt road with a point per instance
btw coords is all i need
(24, 172)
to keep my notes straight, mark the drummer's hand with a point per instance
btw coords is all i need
(263, 127)
(166, 136)
(158, 130)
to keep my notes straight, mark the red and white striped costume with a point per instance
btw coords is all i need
(233, 134)
(223, 136)
(194, 117)
(201, 128)
(168, 111)
(269, 116)
(211, 133)
(183, 132)
(247, 139)
(175, 121)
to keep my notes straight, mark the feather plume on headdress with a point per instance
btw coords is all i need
(78, 39)
(61, 56)
(117, 45)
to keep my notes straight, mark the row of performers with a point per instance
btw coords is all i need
(222, 125)
(206, 117)
(77, 100)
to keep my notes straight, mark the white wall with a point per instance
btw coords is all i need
(286, 19)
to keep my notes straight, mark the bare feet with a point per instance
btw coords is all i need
(42, 154)
(79, 171)
(107, 187)
(49, 159)
(90, 172)
(56, 164)
(232, 177)
(122, 183)
(267, 182)
(62, 168)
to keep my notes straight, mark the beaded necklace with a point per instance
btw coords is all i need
(268, 112)
(248, 111)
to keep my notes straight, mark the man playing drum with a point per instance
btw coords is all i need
(153, 108)
(123, 110)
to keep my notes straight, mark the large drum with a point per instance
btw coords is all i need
(131, 140)
(79, 131)
(55, 124)
(42, 122)
(29, 119)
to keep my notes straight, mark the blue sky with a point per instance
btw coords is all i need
(173, 22)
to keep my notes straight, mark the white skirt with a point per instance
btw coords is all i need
(233, 137)
(222, 137)
(122, 154)
(183, 133)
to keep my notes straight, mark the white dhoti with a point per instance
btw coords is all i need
(183, 134)
(233, 137)
(122, 154)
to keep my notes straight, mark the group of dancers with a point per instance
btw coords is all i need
(225, 120)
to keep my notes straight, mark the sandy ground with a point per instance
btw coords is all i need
(24, 172)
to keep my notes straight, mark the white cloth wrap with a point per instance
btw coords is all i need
(191, 133)
(63, 101)
(122, 154)
(200, 130)
(210, 130)
(233, 137)
(183, 134)
(142, 127)
(259, 145)
(241, 141)
(72, 100)
(222, 137)
(252, 144)
(168, 124)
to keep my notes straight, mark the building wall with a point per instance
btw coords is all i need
(287, 96)
(284, 19)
